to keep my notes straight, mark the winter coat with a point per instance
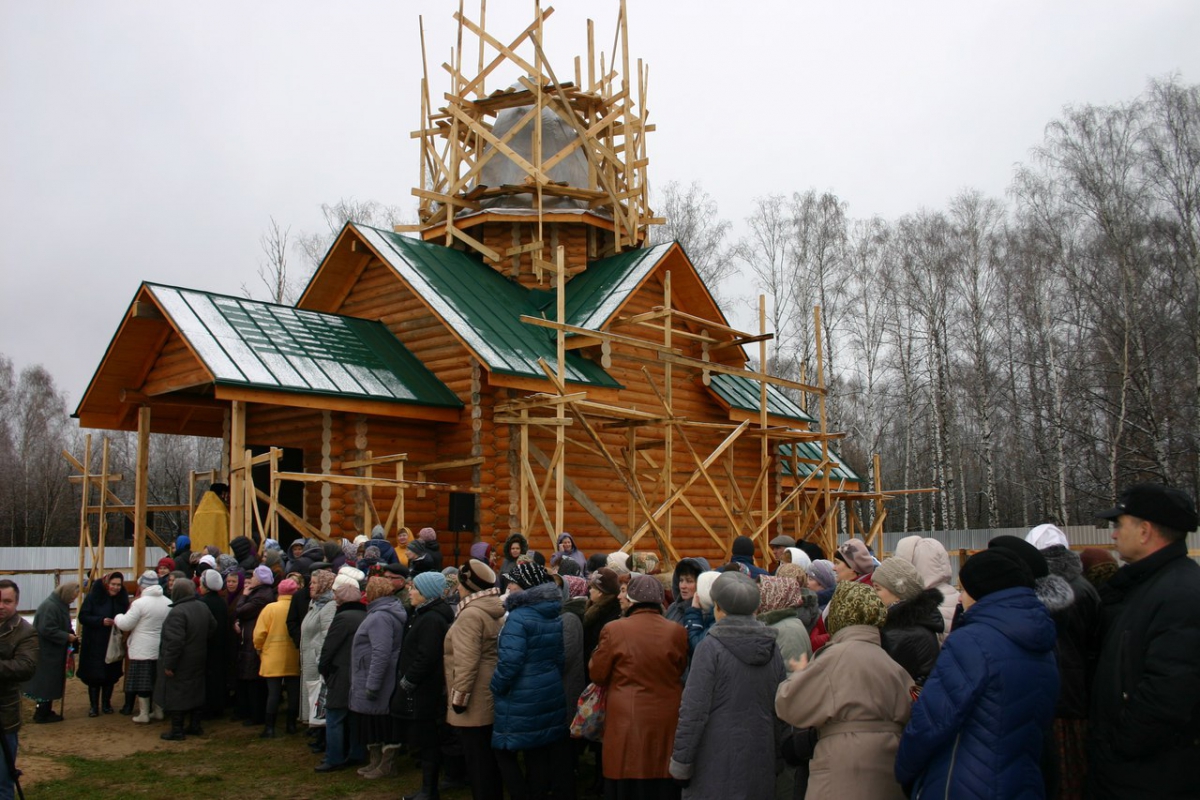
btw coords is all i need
(433, 552)
(218, 662)
(748, 561)
(675, 612)
(470, 658)
(932, 562)
(297, 611)
(278, 656)
(313, 631)
(183, 651)
(183, 556)
(18, 662)
(640, 659)
(508, 563)
(595, 617)
(910, 635)
(335, 663)
(52, 623)
(574, 669)
(374, 654)
(527, 681)
(728, 733)
(248, 609)
(387, 553)
(1078, 628)
(143, 622)
(977, 729)
(421, 692)
(858, 699)
(575, 555)
(93, 646)
(790, 634)
(1144, 728)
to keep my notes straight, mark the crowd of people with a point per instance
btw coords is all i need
(1046, 673)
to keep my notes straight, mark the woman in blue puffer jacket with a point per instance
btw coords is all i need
(976, 730)
(527, 683)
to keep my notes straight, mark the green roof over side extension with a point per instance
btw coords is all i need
(744, 393)
(262, 345)
(594, 295)
(482, 306)
(812, 451)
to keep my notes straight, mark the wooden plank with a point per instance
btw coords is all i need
(581, 497)
(616, 338)
(374, 461)
(714, 366)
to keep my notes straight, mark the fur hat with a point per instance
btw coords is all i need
(427, 535)
(212, 580)
(994, 570)
(899, 577)
(854, 603)
(822, 570)
(854, 554)
(645, 589)
(736, 594)
(149, 578)
(264, 574)
(605, 580)
(430, 584)
(528, 575)
(476, 576)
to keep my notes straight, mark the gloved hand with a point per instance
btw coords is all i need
(372, 695)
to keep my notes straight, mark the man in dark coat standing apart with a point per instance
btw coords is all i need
(18, 660)
(1144, 727)
(185, 635)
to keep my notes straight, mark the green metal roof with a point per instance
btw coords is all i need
(594, 295)
(744, 394)
(812, 450)
(251, 343)
(482, 306)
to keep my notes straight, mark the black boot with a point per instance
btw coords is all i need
(176, 733)
(93, 701)
(290, 725)
(106, 694)
(318, 740)
(268, 731)
(127, 709)
(193, 728)
(44, 712)
(429, 782)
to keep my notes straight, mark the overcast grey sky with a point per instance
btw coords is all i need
(153, 140)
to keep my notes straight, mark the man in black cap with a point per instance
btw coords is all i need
(1144, 734)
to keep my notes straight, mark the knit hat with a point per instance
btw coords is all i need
(778, 592)
(899, 577)
(377, 588)
(736, 594)
(212, 580)
(528, 575)
(704, 583)
(605, 580)
(854, 603)
(822, 570)
(226, 561)
(264, 574)
(347, 591)
(994, 570)
(799, 557)
(1093, 556)
(430, 584)
(1044, 536)
(645, 589)
(854, 554)
(794, 571)
(168, 562)
(743, 546)
(320, 581)
(568, 565)
(427, 535)
(476, 575)
(1024, 551)
(149, 578)
(287, 587)
(618, 562)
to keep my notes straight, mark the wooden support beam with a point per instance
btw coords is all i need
(141, 491)
(713, 366)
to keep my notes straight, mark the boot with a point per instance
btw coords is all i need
(193, 728)
(156, 712)
(387, 764)
(93, 701)
(106, 694)
(429, 782)
(127, 709)
(268, 731)
(375, 751)
(318, 740)
(143, 711)
(176, 732)
(290, 725)
(44, 712)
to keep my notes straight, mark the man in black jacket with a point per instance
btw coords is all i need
(1144, 736)
(18, 662)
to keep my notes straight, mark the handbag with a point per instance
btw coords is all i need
(116, 647)
(315, 692)
(589, 716)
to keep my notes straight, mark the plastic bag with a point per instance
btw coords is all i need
(589, 718)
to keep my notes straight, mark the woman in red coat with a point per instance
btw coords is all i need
(640, 659)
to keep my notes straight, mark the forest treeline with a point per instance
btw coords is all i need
(1024, 356)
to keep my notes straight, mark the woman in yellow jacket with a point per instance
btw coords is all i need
(280, 660)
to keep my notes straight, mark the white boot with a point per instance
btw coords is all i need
(156, 713)
(143, 710)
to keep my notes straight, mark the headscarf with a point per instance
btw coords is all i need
(377, 588)
(854, 603)
(320, 581)
(778, 592)
(791, 570)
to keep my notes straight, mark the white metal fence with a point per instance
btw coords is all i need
(37, 570)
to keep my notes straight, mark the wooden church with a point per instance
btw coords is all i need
(522, 360)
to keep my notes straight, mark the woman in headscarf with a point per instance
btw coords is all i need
(856, 696)
(313, 630)
(181, 659)
(103, 603)
(217, 659)
(142, 625)
(55, 637)
(258, 593)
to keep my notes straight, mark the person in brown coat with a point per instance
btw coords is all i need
(469, 661)
(856, 696)
(640, 659)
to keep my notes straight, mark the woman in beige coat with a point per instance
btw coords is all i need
(469, 661)
(856, 696)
